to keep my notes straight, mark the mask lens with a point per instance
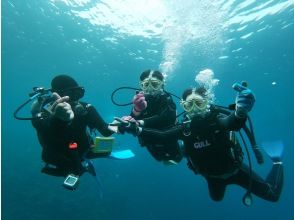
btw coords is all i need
(199, 103)
(156, 84)
(188, 105)
(144, 84)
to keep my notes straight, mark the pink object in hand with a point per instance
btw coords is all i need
(139, 102)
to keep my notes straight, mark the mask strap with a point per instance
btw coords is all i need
(150, 74)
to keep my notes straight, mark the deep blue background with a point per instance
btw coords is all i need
(34, 51)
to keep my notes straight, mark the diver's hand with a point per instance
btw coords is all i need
(139, 102)
(130, 119)
(128, 124)
(113, 126)
(61, 109)
(244, 100)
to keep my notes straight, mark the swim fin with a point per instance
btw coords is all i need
(121, 155)
(274, 150)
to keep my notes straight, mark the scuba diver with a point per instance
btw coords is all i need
(154, 108)
(212, 148)
(62, 122)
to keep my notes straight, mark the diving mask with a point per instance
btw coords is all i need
(195, 103)
(151, 85)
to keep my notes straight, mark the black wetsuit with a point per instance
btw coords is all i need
(160, 114)
(55, 137)
(211, 153)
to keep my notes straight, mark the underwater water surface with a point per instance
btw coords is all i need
(107, 44)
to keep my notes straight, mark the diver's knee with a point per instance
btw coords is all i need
(273, 194)
(216, 198)
(274, 198)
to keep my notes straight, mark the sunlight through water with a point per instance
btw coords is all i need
(204, 23)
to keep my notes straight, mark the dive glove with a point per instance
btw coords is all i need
(244, 100)
(139, 102)
(61, 109)
(127, 126)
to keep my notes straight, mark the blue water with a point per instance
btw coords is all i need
(107, 44)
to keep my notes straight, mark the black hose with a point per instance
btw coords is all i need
(251, 127)
(172, 95)
(249, 163)
(37, 93)
(33, 96)
(19, 108)
(136, 89)
(251, 137)
(120, 88)
(249, 132)
(180, 114)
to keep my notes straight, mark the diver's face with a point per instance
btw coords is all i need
(151, 86)
(194, 104)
